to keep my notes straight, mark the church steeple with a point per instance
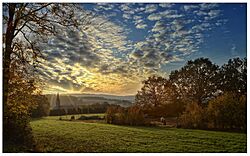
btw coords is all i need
(58, 101)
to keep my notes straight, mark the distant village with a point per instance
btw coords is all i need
(68, 104)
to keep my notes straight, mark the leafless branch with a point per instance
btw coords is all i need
(18, 30)
(33, 11)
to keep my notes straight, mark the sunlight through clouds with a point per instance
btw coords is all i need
(103, 57)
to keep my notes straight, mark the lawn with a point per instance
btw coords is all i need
(53, 135)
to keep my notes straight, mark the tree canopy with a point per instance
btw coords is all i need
(26, 26)
(196, 80)
(233, 76)
(156, 91)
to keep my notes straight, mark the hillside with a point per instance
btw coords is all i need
(88, 99)
(106, 96)
(53, 135)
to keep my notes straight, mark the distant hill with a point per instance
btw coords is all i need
(128, 98)
(76, 100)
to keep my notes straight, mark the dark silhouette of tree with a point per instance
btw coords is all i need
(21, 101)
(228, 111)
(196, 80)
(25, 26)
(42, 108)
(156, 92)
(233, 76)
(24, 21)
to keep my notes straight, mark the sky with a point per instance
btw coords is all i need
(128, 42)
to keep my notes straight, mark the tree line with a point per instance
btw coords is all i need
(83, 109)
(201, 94)
(23, 23)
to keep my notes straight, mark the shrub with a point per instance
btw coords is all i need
(135, 116)
(57, 112)
(110, 114)
(193, 117)
(17, 111)
(225, 112)
(228, 111)
(125, 116)
(72, 118)
(120, 116)
(90, 118)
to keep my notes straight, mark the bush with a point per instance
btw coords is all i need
(125, 116)
(57, 112)
(90, 118)
(135, 116)
(110, 114)
(72, 118)
(17, 111)
(193, 117)
(228, 111)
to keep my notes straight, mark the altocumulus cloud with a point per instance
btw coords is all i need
(100, 57)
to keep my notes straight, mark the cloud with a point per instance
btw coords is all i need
(159, 26)
(102, 57)
(137, 17)
(168, 14)
(166, 5)
(141, 26)
(190, 7)
(104, 7)
(233, 50)
(125, 7)
(73, 50)
(139, 22)
(172, 37)
(137, 54)
(127, 16)
(140, 9)
(200, 13)
(208, 6)
(214, 13)
(154, 17)
(150, 8)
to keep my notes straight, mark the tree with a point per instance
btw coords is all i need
(233, 76)
(155, 93)
(196, 80)
(25, 27)
(110, 114)
(21, 101)
(43, 106)
(193, 117)
(228, 111)
(132, 115)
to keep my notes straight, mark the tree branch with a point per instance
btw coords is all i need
(18, 30)
(31, 45)
(35, 10)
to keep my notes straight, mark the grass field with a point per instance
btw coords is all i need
(53, 135)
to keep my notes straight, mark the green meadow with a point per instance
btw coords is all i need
(53, 135)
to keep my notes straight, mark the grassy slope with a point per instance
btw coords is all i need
(65, 136)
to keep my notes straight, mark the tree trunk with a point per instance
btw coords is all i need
(7, 53)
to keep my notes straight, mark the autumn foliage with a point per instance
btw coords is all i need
(200, 94)
(193, 117)
(17, 111)
(228, 111)
(125, 116)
